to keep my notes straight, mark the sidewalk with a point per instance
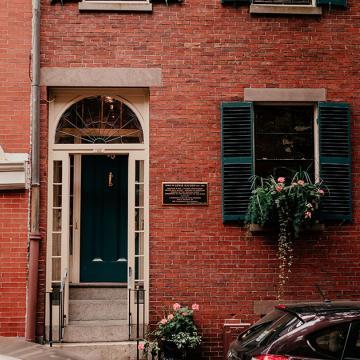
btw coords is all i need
(16, 348)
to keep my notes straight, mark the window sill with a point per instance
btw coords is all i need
(256, 229)
(285, 9)
(115, 6)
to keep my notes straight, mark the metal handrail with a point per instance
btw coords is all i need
(137, 292)
(62, 315)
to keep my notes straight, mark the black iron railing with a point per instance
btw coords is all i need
(137, 323)
(283, 2)
(57, 297)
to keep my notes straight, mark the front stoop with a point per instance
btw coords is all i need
(97, 314)
(124, 350)
(98, 325)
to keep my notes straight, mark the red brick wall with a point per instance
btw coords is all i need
(209, 53)
(15, 45)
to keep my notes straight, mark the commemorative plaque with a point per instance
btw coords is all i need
(185, 193)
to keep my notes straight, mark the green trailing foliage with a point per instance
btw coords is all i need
(289, 206)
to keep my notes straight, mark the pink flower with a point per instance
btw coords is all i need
(176, 306)
(195, 307)
(163, 321)
(184, 313)
(141, 347)
(321, 192)
(278, 188)
(281, 179)
(301, 182)
(307, 214)
(170, 316)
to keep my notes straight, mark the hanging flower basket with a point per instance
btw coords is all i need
(288, 206)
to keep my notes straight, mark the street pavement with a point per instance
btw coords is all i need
(16, 348)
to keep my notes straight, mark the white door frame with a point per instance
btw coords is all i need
(60, 100)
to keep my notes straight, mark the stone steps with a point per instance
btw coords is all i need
(97, 310)
(102, 350)
(95, 331)
(98, 293)
(97, 314)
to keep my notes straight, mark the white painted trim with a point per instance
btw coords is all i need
(75, 271)
(131, 222)
(65, 229)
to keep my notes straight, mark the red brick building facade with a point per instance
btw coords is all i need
(15, 47)
(204, 54)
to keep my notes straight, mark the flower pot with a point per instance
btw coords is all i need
(171, 352)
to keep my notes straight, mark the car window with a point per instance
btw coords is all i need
(330, 341)
(267, 329)
(352, 351)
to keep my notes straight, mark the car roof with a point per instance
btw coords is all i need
(321, 308)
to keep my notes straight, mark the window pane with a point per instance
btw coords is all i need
(139, 195)
(56, 269)
(56, 220)
(139, 243)
(57, 196)
(56, 251)
(139, 219)
(331, 341)
(139, 268)
(353, 344)
(284, 140)
(57, 172)
(139, 171)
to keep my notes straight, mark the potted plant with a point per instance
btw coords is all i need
(175, 336)
(289, 206)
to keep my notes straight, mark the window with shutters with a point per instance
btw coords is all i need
(279, 140)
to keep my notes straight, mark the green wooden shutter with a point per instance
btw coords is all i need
(237, 158)
(335, 160)
(236, 2)
(342, 3)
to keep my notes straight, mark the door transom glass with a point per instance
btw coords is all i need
(99, 120)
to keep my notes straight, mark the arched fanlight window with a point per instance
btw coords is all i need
(99, 120)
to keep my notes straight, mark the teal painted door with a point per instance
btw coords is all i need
(104, 218)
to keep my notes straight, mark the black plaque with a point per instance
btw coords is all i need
(185, 193)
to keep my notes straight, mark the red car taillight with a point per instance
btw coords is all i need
(270, 357)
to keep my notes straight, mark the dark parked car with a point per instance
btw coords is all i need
(309, 331)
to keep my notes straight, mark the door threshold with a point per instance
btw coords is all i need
(100, 284)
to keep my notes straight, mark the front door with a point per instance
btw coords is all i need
(104, 218)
